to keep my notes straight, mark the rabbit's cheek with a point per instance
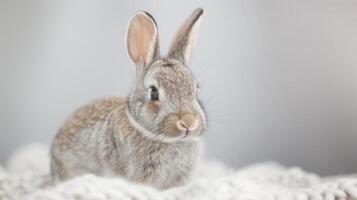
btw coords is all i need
(152, 106)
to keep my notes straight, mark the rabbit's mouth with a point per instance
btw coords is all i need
(186, 133)
(190, 134)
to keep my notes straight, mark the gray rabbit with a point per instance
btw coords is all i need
(151, 136)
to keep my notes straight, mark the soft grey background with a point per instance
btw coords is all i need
(279, 78)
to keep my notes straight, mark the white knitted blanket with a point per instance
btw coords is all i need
(26, 177)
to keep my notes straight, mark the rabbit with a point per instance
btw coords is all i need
(152, 136)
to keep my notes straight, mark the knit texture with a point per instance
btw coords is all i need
(26, 176)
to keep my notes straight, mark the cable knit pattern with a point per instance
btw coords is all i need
(26, 176)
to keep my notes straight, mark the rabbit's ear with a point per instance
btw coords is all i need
(185, 37)
(142, 39)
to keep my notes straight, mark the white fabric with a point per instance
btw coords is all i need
(26, 177)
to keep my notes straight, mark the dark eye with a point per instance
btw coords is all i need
(154, 93)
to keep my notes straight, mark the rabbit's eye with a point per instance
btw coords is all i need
(154, 93)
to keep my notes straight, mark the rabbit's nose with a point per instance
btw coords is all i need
(187, 122)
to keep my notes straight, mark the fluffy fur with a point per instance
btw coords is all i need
(145, 140)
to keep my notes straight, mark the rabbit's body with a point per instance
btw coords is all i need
(152, 136)
(99, 139)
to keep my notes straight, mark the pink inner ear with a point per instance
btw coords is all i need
(141, 35)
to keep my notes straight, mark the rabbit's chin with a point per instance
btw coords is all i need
(170, 137)
(183, 136)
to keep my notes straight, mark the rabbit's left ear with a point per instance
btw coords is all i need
(185, 38)
(142, 39)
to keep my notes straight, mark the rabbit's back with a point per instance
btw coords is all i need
(81, 133)
(85, 117)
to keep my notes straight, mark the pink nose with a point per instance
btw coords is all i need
(184, 126)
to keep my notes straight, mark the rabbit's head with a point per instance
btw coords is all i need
(163, 103)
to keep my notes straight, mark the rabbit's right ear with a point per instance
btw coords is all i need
(181, 46)
(142, 39)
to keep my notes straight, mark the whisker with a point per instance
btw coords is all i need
(228, 155)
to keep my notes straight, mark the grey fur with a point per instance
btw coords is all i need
(135, 137)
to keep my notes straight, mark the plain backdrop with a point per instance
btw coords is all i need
(278, 77)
